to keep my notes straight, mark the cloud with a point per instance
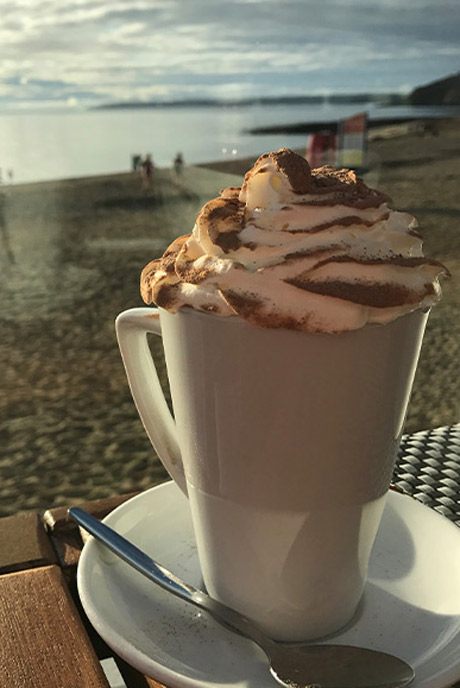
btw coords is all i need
(95, 51)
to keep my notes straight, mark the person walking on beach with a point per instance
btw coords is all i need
(178, 166)
(147, 170)
(4, 230)
(136, 162)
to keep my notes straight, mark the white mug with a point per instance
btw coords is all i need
(285, 444)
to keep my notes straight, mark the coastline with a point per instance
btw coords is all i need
(68, 426)
(331, 126)
(373, 123)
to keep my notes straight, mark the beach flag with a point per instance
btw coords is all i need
(352, 143)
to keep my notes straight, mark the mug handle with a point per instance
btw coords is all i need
(132, 327)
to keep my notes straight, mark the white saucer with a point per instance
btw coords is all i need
(411, 606)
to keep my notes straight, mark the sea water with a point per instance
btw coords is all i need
(57, 145)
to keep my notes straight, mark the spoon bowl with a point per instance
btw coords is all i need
(294, 666)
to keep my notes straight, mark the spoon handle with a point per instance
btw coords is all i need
(157, 573)
(133, 556)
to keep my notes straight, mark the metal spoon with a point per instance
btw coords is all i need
(299, 666)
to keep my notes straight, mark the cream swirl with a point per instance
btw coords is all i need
(311, 250)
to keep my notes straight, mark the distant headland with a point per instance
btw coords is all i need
(442, 92)
(384, 99)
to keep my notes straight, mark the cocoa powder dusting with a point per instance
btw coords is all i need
(225, 213)
(222, 216)
(228, 241)
(410, 262)
(309, 253)
(346, 221)
(373, 295)
(165, 295)
(241, 302)
(296, 169)
(344, 188)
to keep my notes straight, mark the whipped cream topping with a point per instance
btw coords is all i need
(310, 250)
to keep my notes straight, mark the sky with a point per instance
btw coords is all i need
(81, 53)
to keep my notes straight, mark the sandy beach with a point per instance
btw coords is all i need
(71, 254)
